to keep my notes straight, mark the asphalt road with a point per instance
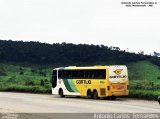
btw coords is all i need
(42, 103)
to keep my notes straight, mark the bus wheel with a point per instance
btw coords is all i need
(61, 93)
(113, 97)
(89, 94)
(95, 94)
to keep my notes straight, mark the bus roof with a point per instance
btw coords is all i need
(90, 67)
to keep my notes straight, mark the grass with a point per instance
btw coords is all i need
(144, 89)
(23, 88)
(16, 77)
(144, 94)
(143, 70)
(144, 80)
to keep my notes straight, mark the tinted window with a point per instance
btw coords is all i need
(54, 78)
(83, 74)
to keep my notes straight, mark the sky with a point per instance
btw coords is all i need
(106, 22)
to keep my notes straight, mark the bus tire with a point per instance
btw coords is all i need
(61, 93)
(113, 97)
(89, 94)
(95, 94)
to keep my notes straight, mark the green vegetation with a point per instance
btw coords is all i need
(23, 88)
(27, 66)
(146, 89)
(68, 54)
(16, 77)
(143, 70)
(144, 80)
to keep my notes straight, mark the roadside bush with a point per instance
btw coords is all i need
(1, 86)
(12, 79)
(45, 80)
(43, 73)
(47, 85)
(21, 68)
(143, 94)
(21, 73)
(42, 82)
(29, 83)
(33, 70)
(145, 85)
(2, 72)
(22, 88)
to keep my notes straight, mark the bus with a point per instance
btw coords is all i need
(93, 81)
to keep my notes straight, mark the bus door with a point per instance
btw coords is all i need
(54, 78)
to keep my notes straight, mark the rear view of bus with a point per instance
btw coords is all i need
(118, 81)
(92, 81)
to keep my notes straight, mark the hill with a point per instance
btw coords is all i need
(68, 54)
(143, 70)
(144, 80)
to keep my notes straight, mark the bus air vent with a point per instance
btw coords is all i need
(102, 91)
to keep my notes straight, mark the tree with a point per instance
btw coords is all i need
(42, 82)
(156, 54)
(68, 54)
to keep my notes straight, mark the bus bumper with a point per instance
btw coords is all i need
(118, 93)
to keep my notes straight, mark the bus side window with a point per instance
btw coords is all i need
(103, 74)
(69, 74)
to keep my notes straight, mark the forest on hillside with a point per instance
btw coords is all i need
(68, 54)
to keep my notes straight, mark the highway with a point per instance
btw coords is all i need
(43, 103)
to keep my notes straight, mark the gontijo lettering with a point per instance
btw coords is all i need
(83, 81)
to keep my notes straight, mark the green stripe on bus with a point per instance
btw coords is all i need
(70, 85)
(71, 82)
(66, 83)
